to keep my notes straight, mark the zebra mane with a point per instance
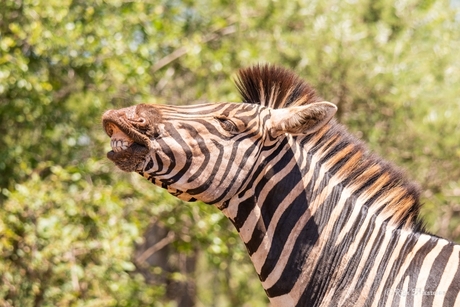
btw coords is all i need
(401, 196)
(278, 87)
(274, 87)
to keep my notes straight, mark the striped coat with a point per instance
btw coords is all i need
(325, 222)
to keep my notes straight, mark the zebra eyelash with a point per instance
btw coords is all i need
(227, 124)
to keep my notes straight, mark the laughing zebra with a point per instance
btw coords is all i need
(325, 222)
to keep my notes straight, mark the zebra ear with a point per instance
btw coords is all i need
(304, 119)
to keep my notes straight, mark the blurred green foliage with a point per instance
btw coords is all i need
(72, 226)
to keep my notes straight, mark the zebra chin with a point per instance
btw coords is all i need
(131, 159)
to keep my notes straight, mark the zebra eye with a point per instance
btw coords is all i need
(227, 124)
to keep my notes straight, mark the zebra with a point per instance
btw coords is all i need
(325, 221)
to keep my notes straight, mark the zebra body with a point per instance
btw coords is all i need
(325, 222)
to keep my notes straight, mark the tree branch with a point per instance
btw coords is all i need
(184, 50)
(156, 247)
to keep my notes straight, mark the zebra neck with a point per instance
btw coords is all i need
(309, 204)
(273, 218)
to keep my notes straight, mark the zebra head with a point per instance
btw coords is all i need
(207, 152)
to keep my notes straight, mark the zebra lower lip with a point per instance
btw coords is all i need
(129, 159)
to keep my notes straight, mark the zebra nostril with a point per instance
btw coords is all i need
(139, 123)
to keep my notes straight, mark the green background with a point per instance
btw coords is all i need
(75, 231)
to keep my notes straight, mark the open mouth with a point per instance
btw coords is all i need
(126, 153)
(123, 132)
(119, 141)
(129, 143)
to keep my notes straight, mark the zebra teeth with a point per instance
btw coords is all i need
(120, 145)
(119, 140)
